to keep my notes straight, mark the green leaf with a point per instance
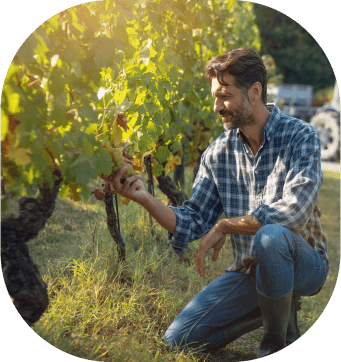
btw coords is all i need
(58, 147)
(183, 110)
(104, 162)
(157, 170)
(167, 85)
(162, 154)
(87, 147)
(121, 37)
(57, 81)
(173, 75)
(80, 159)
(84, 172)
(151, 108)
(88, 114)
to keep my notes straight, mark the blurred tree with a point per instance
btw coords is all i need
(297, 55)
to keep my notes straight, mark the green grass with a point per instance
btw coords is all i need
(93, 315)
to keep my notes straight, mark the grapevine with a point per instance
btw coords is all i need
(101, 74)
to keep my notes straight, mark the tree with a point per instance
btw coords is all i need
(297, 55)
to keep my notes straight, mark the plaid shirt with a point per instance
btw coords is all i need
(280, 185)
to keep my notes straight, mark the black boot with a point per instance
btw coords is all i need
(293, 332)
(243, 325)
(275, 315)
(253, 320)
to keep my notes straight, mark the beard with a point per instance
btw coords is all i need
(241, 117)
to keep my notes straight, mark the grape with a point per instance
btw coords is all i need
(118, 160)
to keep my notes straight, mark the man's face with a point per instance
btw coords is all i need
(232, 104)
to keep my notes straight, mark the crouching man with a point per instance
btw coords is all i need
(265, 173)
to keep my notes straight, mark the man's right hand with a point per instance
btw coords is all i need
(132, 188)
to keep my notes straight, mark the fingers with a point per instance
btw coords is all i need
(120, 173)
(217, 247)
(212, 240)
(105, 179)
(127, 160)
(128, 183)
(121, 186)
(215, 255)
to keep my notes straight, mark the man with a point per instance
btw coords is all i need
(265, 173)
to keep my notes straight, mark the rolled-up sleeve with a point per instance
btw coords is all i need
(197, 215)
(301, 188)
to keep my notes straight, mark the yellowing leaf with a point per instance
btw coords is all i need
(177, 160)
(20, 156)
(168, 167)
(172, 162)
(64, 192)
(116, 136)
(13, 103)
(4, 125)
(74, 191)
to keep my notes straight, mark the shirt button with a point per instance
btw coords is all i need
(256, 172)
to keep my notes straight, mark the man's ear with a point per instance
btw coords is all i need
(255, 92)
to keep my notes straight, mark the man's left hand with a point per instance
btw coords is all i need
(214, 239)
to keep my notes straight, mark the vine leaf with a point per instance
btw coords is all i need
(74, 194)
(20, 156)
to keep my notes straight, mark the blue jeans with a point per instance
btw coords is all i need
(284, 261)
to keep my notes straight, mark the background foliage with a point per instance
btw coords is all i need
(299, 58)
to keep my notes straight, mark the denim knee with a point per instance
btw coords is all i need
(176, 339)
(173, 339)
(268, 240)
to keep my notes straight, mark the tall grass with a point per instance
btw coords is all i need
(104, 311)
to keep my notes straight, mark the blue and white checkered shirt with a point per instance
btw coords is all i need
(280, 185)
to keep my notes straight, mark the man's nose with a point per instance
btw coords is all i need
(218, 106)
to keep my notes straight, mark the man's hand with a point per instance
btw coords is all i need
(132, 188)
(214, 239)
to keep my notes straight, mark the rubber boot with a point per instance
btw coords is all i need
(293, 332)
(234, 330)
(243, 325)
(253, 320)
(275, 316)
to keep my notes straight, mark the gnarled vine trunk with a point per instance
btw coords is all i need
(175, 196)
(179, 172)
(167, 186)
(113, 227)
(21, 275)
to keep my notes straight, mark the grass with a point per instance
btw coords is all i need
(93, 315)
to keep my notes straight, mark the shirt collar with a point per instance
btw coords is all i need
(271, 124)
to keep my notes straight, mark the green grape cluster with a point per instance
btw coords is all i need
(118, 159)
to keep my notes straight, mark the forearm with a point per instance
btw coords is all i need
(245, 225)
(164, 215)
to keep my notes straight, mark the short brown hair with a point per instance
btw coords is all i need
(244, 64)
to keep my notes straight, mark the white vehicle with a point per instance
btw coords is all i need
(295, 100)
